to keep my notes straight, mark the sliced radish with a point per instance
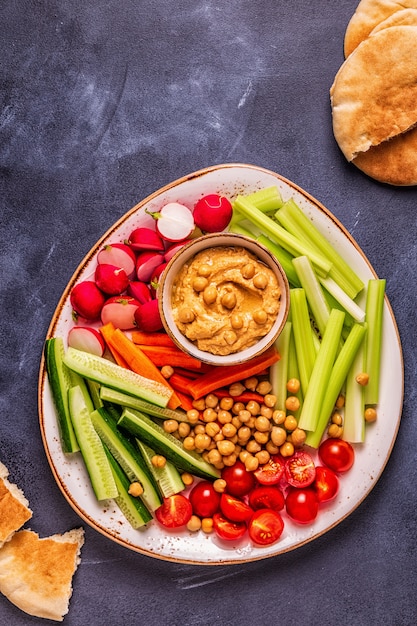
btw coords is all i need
(139, 290)
(212, 213)
(174, 221)
(145, 239)
(120, 310)
(173, 249)
(111, 279)
(147, 317)
(86, 339)
(87, 300)
(155, 278)
(120, 255)
(146, 263)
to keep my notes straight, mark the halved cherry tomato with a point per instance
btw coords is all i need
(300, 470)
(302, 504)
(238, 480)
(337, 454)
(266, 497)
(226, 529)
(175, 511)
(326, 484)
(265, 527)
(235, 509)
(271, 472)
(205, 501)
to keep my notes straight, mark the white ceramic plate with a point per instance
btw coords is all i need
(371, 457)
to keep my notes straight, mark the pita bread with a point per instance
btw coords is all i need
(36, 574)
(405, 17)
(374, 94)
(368, 14)
(393, 162)
(14, 508)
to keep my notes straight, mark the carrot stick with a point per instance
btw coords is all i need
(152, 339)
(107, 330)
(186, 401)
(180, 383)
(223, 376)
(162, 355)
(139, 362)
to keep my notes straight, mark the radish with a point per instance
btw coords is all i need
(145, 239)
(169, 253)
(212, 213)
(111, 279)
(139, 290)
(146, 263)
(120, 310)
(86, 339)
(120, 255)
(174, 221)
(154, 283)
(147, 317)
(87, 300)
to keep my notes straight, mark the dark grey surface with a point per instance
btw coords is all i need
(101, 104)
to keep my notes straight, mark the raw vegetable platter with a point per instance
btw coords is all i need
(371, 457)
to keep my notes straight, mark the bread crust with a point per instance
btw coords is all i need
(14, 507)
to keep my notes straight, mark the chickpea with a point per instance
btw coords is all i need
(200, 283)
(292, 403)
(236, 321)
(260, 280)
(225, 447)
(248, 270)
(370, 414)
(219, 485)
(264, 387)
(260, 317)
(207, 525)
(298, 437)
(335, 431)
(271, 448)
(230, 337)
(226, 404)
(167, 371)
(237, 407)
(337, 419)
(287, 449)
(263, 457)
(214, 456)
(236, 389)
(236, 422)
(244, 454)
(229, 430)
(253, 446)
(270, 400)
(260, 437)
(193, 416)
(251, 463)
(244, 416)
(210, 294)
(187, 478)
(251, 383)
(278, 417)
(212, 429)
(228, 300)
(202, 441)
(278, 435)
(229, 460)
(293, 386)
(340, 402)
(135, 489)
(290, 423)
(188, 443)
(224, 417)
(209, 415)
(266, 411)
(194, 524)
(199, 429)
(158, 460)
(170, 426)
(199, 404)
(362, 379)
(253, 407)
(218, 437)
(184, 429)
(186, 315)
(262, 424)
(244, 433)
(204, 270)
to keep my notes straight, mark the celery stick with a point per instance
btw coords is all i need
(238, 229)
(374, 317)
(354, 410)
(343, 298)
(284, 257)
(279, 371)
(281, 236)
(293, 372)
(267, 199)
(314, 293)
(295, 221)
(303, 335)
(321, 371)
(335, 381)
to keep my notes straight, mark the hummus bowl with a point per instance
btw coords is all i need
(228, 254)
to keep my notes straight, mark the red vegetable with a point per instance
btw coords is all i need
(302, 504)
(300, 470)
(145, 239)
(212, 213)
(174, 221)
(147, 317)
(120, 311)
(146, 264)
(139, 290)
(326, 484)
(239, 481)
(337, 454)
(86, 339)
(111, 279)
(175, 511)
(265, 527)
(267, 497)
(87, 300)
(226, 529)
(120, 255)
(205, 501)
(271, 472)
(234, 509)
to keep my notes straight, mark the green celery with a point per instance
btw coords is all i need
(295, 221)
(279, 371)
(374, 317)
(293, 372)
(267, 199)
(315, 297)
(283, 257)
(354, 409)
(281, 236)
(335, 381)
(303, 335)
(343, 298)
(238, 229)
(320, 373)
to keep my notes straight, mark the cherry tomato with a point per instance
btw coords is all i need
(175, 511)
(326, 484)
(300, 470)
(226, 529)
(205, 501)
(266, 497)
(271, 472)
(265, 527)
(337, 454)
(234, 509)
(302, 504)
(238, 480)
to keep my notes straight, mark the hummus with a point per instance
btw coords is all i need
(225, 299)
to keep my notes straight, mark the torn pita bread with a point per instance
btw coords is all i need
(374, 93)
(14, 508)
(393, 162)
(36, 574)
(368, 14)
(405, 17)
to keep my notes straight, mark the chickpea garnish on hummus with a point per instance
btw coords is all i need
(225, 299)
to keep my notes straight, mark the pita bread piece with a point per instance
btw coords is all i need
(374, 93)
(393, 162)
(368, 14)
(36, 574)
(14, 508)
(405, 17)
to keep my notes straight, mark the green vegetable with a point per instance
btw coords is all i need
(374, 318)
(303, 336)
(168, 478)
(124, 399)
(279, 371)
(354, 409)
(315, 297)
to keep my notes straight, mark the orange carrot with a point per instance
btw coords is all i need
(152, 339)
(224, 376)
(107, 330)
(186, 401)
(162, 355)
(180, 383)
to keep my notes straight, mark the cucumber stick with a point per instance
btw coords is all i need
(128, 457)
(165, 444)
(168, 478)
(60, 381)
(132, 508)
(107, 373)
(91, 446)
(124, 399)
